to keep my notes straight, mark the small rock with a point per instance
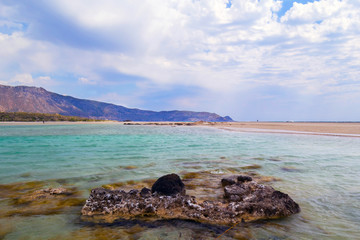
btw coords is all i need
(145, 192)
(149, 209)
(133, 192)
(242, 178)
(55, 191)
(170, 184)
(228, 181)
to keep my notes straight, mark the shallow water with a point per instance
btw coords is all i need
(321, 173)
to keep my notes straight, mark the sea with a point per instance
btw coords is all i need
(321, 173)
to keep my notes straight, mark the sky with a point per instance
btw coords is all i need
(249, 59)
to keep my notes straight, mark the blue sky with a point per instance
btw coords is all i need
(265, 59)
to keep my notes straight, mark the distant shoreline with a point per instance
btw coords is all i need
(341, 129)
(17, 123)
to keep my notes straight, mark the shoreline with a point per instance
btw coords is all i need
(40, 123)
(346, 129)
(341, 129)
(279, 131)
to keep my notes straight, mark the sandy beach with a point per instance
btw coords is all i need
(316, 128)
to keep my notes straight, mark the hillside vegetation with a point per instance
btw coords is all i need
(36, 117)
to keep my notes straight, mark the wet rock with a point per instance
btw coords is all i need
(243, 178)
(30, 202)
(145, 192)
(228, 181)
(236, 191)
(244, 201)
(55, 191)
(133, 191)
(170, 184)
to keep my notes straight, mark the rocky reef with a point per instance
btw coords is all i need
(243, 200)
(36, 198)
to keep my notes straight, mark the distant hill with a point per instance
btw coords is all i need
(38, 100)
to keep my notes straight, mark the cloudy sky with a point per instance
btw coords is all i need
(250, 59)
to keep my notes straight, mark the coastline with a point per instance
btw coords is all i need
(307, 128)
(342, 129)
(53, 123)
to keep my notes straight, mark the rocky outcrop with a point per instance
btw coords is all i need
(259, 200)
(244, 200)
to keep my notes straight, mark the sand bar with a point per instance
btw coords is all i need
(349, 129)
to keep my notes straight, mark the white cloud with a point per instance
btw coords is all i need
(22, 79)
(26, 79)
(9, 24)
(84, 80)
(313, 11)
(313, 49)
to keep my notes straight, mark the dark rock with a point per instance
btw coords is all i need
(170, 184)
(248, 201)
(145, 192)
(228, 181)
(242, 178)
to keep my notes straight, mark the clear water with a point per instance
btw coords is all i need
(321, 173)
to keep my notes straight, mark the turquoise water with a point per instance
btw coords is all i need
(321, 173)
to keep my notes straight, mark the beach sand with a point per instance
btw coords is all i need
(316, 128)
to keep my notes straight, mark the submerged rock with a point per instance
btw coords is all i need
(243, 201)
(290, 169)
(170, 184)
(30, 198)
(254, 166)
(43, 193)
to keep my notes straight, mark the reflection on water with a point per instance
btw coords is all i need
(318, 172)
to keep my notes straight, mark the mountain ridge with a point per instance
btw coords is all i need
(39, 100)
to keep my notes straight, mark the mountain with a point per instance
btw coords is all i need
(38, 100)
